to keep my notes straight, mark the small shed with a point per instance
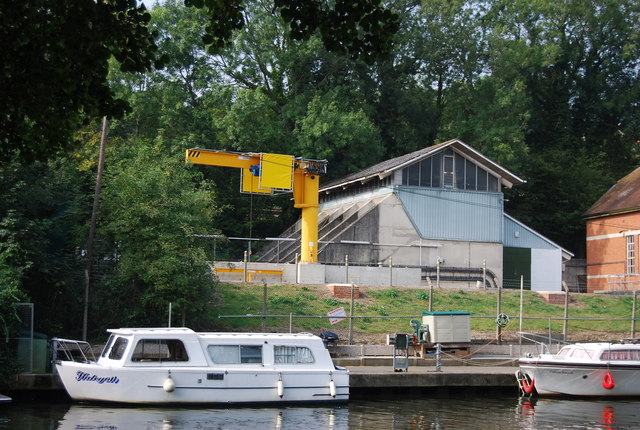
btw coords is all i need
(448, 327)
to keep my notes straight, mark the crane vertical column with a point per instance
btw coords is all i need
(305, 190)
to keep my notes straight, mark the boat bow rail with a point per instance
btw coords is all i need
(545, 344)
(72, 350)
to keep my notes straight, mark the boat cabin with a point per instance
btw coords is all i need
(182, 347)
(600, 351)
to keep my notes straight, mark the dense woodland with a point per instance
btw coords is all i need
(550, 89)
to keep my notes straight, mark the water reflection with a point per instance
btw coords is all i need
(606, 414)
(117, 418)
(466, 410)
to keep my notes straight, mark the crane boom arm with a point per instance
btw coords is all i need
(212, 157)
(305, 188)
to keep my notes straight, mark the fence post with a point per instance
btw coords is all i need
(521, 312)
(565, 326)
(351, 314)
(430, 294)
(264, 306)
(633, 314)
(484, 274)
(499, 311)
(346, 265)
(245, 267)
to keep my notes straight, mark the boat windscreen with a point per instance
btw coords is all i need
(118, 348)
(159, 350)
(105, 350)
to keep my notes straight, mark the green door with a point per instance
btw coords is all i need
(516, 263)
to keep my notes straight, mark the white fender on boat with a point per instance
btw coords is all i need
(332, 388)
(280, 388)
(169, 386)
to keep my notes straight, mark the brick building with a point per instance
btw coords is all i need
(613, 232)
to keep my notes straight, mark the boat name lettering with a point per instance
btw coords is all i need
(84, 376)
(561, 371)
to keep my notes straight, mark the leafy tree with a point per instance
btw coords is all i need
(396, 96)
(54, 67)
(572, 62)
(560, 188)
(173, 105)
(334, 130)
(256, 123)
(10, 295)
(153, 206)
(360, 28)
(42, 207)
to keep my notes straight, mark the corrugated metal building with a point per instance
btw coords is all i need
(441, 209)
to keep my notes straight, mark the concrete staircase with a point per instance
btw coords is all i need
(332, 224)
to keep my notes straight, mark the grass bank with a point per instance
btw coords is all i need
(378, 307)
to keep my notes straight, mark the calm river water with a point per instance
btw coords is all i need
(492, 412)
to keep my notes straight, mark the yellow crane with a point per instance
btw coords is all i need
(267, 173)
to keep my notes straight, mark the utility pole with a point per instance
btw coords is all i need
(92, 228)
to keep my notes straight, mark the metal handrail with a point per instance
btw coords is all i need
(544, 347)
(71, 350)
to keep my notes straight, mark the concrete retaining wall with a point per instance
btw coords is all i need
(360, 351)
(319, 274)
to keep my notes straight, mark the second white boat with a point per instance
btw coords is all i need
(584, 369)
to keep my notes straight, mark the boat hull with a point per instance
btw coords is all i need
(581, 379)
(201, 385)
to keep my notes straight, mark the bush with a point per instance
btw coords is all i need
(392, 293)
(281, 300)
(422, 296)
(331, 302)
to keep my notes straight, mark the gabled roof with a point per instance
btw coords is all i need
(386, 168)
(528, 238)
(623, 197)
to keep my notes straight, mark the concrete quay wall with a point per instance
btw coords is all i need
(449, 377)
(380, 375)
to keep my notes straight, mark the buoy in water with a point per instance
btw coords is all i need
(608, 382)
(169, 386)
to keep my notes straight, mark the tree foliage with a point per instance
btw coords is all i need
(54, 66)
(153, 206)
(548, 89)
(42, 207)
(360, 28)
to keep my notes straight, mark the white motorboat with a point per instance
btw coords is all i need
(584, 369)
(178, 365)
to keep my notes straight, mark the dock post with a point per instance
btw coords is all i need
(438, 358)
